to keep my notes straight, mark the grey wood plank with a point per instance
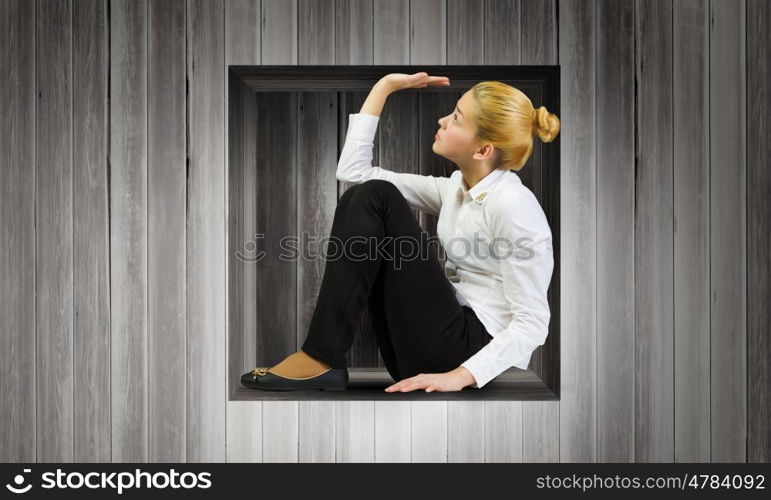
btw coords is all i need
(503, 44)
(538, 29)
(128, 230)
(465, 21)
(428, 32)
(578, 223)
(276, 219)
(503, 431)
(758, 50)
(242, 32)
(316, 31)
(429, 431)
(316, 432)
(53, 237)
(355, 431)
(466, 430)
(653, 226)
(91, 237)
(353, 32)
(18, 434)
(206, 315)
(280, 431)
(166, 208)
(728, 294)
(690, 178)
(391, 31)
(279, 32)
(393, 431)
(244, 441)
(615, 231)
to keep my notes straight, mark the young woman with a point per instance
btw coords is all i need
(437, 330)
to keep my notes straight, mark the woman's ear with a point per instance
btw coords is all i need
(485, 152)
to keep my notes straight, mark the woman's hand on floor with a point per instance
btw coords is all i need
(454, 380)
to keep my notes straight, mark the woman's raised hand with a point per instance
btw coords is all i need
(400, 81)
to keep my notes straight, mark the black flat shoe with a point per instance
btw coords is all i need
(334, 379)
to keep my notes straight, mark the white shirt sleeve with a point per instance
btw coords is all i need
(422, 192)
(522, 242)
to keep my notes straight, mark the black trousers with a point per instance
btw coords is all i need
(378, 255)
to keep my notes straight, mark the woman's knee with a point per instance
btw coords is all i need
(368, 189)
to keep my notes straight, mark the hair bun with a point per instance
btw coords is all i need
(545, 125)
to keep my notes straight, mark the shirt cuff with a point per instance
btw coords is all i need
(362, 126)
(484, 369)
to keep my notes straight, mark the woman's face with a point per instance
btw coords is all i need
(455, 138)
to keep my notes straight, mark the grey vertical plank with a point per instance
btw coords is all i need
(393, 431)
(18, 441)
(166, 200)
(242, 46)
(615, 231)
(578, 223)
(280, 431)
(465, 21)
(355, 431)
(690, 178)
(391, 31)
(128, 230)
(316, 31)
(90, 226)
(538, 30)
(503, 431)
(429, 431)
(466, 429)
(354, 420)
(353, 32)
(244, 431)
(206, 319)
(279, 31)
(53, 242)
(428, 32)
(316, 432)
(503, 44)
(653, 225)
(758, 179)
(727, 164)
(428, 23)
(276, 196)
(394, 150)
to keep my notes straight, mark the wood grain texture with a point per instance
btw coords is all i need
(128, 231)
(166, 238)
(690, 177)
(18, 102)
(615, 231)
(206, 390)
(727, 233)
(578, 249)
(758, 67)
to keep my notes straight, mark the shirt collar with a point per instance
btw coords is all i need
(479, 191)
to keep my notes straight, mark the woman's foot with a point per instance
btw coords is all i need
(299, 365)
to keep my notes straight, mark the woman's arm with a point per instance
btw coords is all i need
(422, 192)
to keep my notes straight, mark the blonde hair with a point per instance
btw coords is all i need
(506, 119)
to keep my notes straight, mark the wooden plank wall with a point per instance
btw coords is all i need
(114, 209)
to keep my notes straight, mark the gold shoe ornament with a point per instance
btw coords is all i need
(260, 371)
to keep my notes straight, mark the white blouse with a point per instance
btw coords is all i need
(497, 241)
